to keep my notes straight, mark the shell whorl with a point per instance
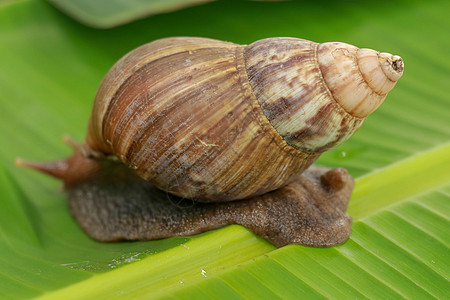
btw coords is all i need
(181, 112)
(317, 95)
(358, 79)
(204, 119)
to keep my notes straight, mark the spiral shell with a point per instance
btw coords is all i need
(216, 121)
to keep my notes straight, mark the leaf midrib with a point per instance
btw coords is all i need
(398, 182)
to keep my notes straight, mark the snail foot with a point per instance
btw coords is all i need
(309, 211)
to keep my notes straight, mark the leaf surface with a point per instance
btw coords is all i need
(107, 14)
(50, 67)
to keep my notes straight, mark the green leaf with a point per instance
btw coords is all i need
(50, 67)
(107, 14)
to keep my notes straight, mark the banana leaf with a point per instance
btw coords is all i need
(50, 68)
(107, 14)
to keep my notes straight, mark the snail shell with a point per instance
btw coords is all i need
(217, 121)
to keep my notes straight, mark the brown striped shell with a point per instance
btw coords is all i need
(216, 121)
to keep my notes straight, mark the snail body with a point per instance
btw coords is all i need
(217, 122)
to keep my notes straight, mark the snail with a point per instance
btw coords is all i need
(190, 134)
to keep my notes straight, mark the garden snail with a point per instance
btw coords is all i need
(218, 122)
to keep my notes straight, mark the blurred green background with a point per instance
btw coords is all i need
(50, 68)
